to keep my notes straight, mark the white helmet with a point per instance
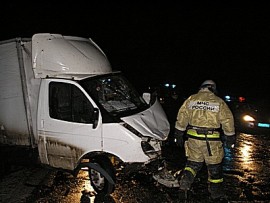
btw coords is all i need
(209, 84)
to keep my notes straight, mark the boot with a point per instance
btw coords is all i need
(215, 181)
(186, 181)
(216, 192)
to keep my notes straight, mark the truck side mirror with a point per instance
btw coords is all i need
(95, 117)
(147, 97)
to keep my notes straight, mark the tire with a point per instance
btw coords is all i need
(99, 183)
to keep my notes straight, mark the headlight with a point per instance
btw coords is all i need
(248, 118)
(147, 147)
(152, 149)
(150, 146)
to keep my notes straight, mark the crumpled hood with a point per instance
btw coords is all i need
(152, 122)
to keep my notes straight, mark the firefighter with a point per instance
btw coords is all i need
(202, 117)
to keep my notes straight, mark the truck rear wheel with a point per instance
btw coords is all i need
(98, 181)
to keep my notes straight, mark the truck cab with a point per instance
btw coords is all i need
(84, 114)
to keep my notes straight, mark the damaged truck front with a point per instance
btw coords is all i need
(60, 95)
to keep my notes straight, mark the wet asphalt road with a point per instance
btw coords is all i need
(246, 178)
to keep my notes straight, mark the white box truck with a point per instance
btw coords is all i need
(59, 94)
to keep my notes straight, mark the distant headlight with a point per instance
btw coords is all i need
(248, 118)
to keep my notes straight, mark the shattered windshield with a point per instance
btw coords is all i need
(114, 93)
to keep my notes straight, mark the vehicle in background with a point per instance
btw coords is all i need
(59, 95)
(251, 115)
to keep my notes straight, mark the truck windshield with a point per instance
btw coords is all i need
(114, 93)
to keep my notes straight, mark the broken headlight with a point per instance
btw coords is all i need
(150, 146)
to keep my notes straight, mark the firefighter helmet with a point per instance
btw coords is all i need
(210, 84)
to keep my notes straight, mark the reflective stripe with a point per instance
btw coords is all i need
(191, 170)
(195, 134)
(215, 180)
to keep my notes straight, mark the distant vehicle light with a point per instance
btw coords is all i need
(161, 100)
(167, 85)
(264, 125)
(173, 86)
(242, 99)
(248, 118)
(227, 98)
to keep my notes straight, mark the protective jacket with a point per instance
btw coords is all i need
(207, 110)
(204, 114)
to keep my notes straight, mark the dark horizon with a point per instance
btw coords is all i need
(151, 43)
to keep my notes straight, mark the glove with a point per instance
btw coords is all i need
(230, 141)
(179, 137)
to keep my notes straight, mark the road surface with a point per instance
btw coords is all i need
(246, 170)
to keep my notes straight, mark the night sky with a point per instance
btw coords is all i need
(152, 43)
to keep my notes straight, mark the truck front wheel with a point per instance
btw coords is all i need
(99, 182)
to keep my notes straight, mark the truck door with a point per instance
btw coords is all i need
(68, 125)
